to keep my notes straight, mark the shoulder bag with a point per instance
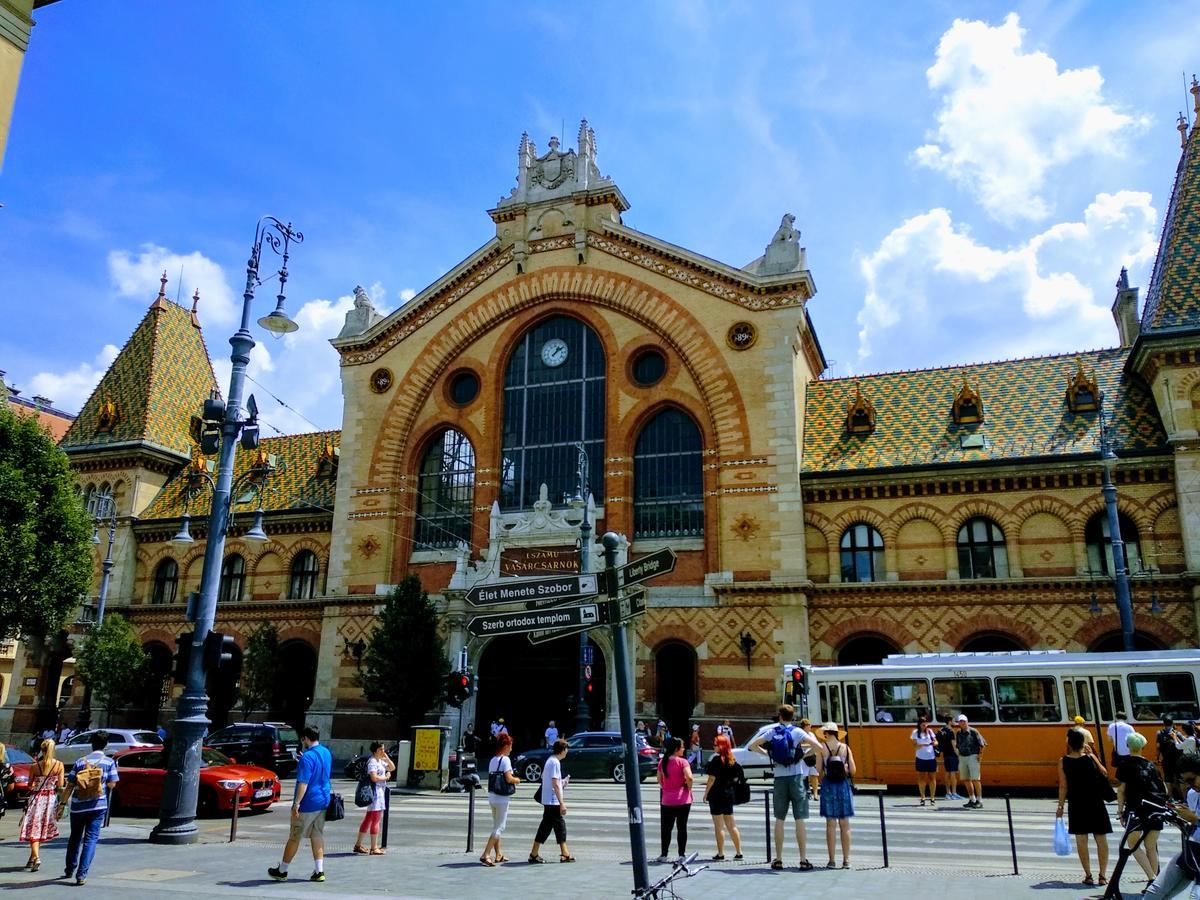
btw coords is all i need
(364, 793)
(741, 787)
(336, 811)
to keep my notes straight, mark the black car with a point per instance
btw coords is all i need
(590, 754)
(272, 745)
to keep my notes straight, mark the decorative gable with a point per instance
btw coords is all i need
(327, 462)
(106, 416)
(968, 406)
(1083, 394)
(860, 413)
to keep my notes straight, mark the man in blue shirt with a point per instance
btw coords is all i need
(88, 784)
(308, 806)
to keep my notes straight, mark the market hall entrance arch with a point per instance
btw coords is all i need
(529, 684)
(675, 669)
(295, 681)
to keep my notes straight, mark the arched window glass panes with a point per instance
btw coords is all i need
(553, 398)
(89, 499)
(233, 579)
(166, 582)
(668, 481)
(862, 553)
(1098, 537)
(982, 552)
(446, 486)
(303, 584)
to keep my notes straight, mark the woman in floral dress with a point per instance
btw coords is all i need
(40, 822)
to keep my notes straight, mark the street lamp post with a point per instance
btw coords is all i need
(177, 813)
(106, 511)
(583, 712)
(1108, 463)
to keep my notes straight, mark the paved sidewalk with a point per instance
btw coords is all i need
(127, 867)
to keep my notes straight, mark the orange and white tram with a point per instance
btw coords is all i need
(1022, 702)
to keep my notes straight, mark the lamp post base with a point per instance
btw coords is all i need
(177, 814)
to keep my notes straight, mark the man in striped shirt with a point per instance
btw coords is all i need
(88, 806)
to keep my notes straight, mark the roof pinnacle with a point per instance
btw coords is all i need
(1195, 89)
(195, 304)
(1183, 130)
(160, 302)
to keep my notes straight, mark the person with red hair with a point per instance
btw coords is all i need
(723, 773)
(502, 784)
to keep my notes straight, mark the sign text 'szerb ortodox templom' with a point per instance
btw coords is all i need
(586, 614)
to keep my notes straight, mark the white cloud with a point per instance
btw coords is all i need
(1009, 117)
(69, 390)
(407, 294)
(955, 299)
(137, 276)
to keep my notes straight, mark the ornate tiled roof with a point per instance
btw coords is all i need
(152, 389)
(1173, 299)
(1024, 409)
(305, 478)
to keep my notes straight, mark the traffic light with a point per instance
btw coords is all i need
(218, 651)
(458, 688)
(798, 681)
(183, 654)
(469, 684)
(587, 682)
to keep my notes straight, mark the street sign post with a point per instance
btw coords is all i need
(553, 634)
(660, 562)
(516, 590)
(585, 615)
(626, 607)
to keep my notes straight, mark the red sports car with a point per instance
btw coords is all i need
(17, 791)
(142, 774)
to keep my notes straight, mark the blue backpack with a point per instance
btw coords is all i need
(784, 748)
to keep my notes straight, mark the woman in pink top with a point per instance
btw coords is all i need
(675, 779)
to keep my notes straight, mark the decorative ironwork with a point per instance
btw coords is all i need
(445, 492)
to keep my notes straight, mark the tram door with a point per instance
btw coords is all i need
(1098, 699)
(844, 703)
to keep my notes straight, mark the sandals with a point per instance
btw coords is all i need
(378, 851)
(360, 849)
(1089, 880)
(831, 865)
(501, 859)
(536, 860)
(845, 863)
(1100, 879)
(777, 864)
(805, 866)
(565, 859)
(484, 861)
(35, 865)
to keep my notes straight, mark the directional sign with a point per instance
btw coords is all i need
(514, 590)
(585, 614)
(622, 609)
(553, 634)
(660, 562)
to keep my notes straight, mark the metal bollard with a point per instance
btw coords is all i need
(883, 829)
(1012, 838)
(237, 797)
(387, 811)
(107, 807)
(767, 822)
(470, 817)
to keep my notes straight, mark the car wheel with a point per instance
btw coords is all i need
(533, 771)
(618, 773)
(208, 803)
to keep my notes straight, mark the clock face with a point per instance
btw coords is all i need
(554, 352)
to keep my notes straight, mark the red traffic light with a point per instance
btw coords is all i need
(464, 680)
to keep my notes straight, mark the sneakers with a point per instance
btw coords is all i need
(276, 874)
(79, 882)
(662, 859)
(317, 876)
(972, 804)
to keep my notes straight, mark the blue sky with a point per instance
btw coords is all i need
(968, 178)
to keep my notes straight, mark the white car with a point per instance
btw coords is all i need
(118, 739)
(755, 765)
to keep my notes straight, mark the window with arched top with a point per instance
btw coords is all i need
(1098, 537)
(166, 582)
(668, 478)
(553, 400)
(305, 569)
(982, 552)
(862, 553)
(445, 491)
(233, 579)
(89, 499)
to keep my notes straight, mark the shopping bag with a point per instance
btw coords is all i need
(1062, 841)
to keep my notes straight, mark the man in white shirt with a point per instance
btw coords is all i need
(553, 806)
(551, 734)
(1117, 732)
(790, 785)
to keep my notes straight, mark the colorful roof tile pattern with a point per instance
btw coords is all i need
(1173, 299)
(1026, 415)
(152, 389)
(303, 480)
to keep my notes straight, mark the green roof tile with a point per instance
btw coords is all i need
(1024, 405)
(1173, 299)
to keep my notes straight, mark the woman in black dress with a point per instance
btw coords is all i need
(723, 773)
(1079, 776)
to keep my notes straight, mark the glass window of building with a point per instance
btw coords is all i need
(1098, 537)
(303, 585)
(233, 579)
(982, 552)
(166, 582)
(862, 553)
(668, 478)
(446, 492)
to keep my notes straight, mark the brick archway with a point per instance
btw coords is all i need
(990, 623)
(1103, 624)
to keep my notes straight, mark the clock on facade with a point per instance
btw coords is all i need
(554, 352)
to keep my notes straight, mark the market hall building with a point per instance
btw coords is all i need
(573, 365)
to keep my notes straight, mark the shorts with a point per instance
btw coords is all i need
(968, 768)
(929, 766)
(790, 790)
(307, 825)
(950, 763)
(720, 806)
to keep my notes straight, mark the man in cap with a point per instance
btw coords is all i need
(969, 743)
(1089, 743)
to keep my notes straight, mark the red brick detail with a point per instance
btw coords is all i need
(990, 623)
(1109, 622)
(751, 574)
(861, 626)
(361, 589)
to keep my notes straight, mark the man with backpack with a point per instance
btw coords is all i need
(1168, 755)
(88, 784)
(969, 743)
(787, 746)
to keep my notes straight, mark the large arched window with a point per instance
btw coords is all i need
(446, 490)
(668, 478)
(982, 552)
(166, 582)
(1098, 537)
(553, 399)
(233, 579)
(862, 553)
(303, 584)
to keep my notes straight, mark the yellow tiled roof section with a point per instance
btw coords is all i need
(297, 485)
(1173, 299)
(156, 384)
(1025, 415)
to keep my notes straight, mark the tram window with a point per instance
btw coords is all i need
(1165, 694)
(901, 701)
(1078, 699)
(831, 702)
(969, 696)
(856, 703)
(1104, 700)
(1030, 699)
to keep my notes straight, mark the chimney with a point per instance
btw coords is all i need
(42, 402)
(1124, 310)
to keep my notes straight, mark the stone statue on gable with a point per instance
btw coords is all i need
(362, 316)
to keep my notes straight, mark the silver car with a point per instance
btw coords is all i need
(118, 739)
(754, 764)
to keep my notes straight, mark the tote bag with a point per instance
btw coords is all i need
(1062, 841)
